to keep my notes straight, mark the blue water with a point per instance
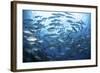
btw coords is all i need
(56, 36)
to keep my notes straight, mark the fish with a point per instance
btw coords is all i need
(80, 22)
(28, 50)
(35, 49)
(49, 57)
(68, 36)
(67, 48)
(51, 48)
(76, 25)
(39, 21)
(31, 38)
(33, 30)
(70, 21)
(37, 16)
(60, 40)
(55, 23)
(52, 35)
(54, 20)
(43, 19)
(57, 16)
(35, 26)
(51, 29)
(62, 53)
(70, 17)
(74, 29)
(69, 30)
(51, 23)
(73, 24)
(51, 17)
(37, 57)
(78, 45)
(25, 36)
(40, 41)
(32, 43)
(27, 32)
(81, 50)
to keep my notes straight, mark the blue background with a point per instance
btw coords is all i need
(56, 35)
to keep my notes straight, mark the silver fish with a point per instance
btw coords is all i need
(31, 38)
(70, 17)
(74, 29)
(37, 16)
(70, 21)
(27, 32)
(54, 20)
(37, 57)
(51, 17)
